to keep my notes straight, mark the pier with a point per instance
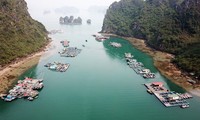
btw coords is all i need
(166, 97)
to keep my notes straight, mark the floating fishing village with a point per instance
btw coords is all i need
(166, 97)
(138, 67)
(69, 51)
(27, 88)
(121, 60)
(60, 67)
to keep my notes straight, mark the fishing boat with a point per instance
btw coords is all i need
(185, 106)
(145, 71)
(149, 75)
(115, 44)
(9, 98)
(30, 98)
(101, 38)
(128, 55)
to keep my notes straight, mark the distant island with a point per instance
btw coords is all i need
(70, 20)
(89, 21)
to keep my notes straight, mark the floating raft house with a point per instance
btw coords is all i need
(70, 52)
(166, 97)
(60, 67)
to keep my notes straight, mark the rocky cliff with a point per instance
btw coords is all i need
(167, 25)
(20, 35)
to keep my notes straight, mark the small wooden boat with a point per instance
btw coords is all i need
(185, 106)
(30, 98)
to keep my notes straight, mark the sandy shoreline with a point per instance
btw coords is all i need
(11, 72)
(162, 61)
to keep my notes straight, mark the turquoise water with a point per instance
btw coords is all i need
(98, 84)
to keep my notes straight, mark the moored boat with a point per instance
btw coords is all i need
(101, 38)
(115, 44)
(9, 98)
(128, 55)
(149, 75)
(185, 106)
(30, 98)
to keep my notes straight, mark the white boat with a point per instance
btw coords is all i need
(115, 44)
(128, 55)
(185, 106)
(30, 98)
(145, 71)
(101, 38)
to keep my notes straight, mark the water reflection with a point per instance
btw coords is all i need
(173, 87)
(32, 73)
(118, 53)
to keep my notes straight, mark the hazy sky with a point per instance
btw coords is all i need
(52, 4)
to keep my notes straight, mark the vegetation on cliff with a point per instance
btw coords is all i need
(167, 25)
(20, 35)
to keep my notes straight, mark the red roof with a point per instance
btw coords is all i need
(66, 43)
(20, 85)
(157, 83)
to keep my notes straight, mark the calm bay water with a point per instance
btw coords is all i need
(98, 84)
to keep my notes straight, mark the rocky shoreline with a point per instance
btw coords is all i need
(10, 72)
(162, 61)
